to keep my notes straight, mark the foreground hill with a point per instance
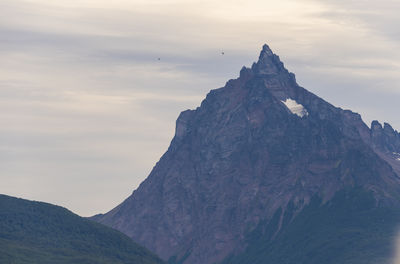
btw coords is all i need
(266, 172)
(41, 233)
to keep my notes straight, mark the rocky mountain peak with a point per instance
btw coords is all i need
(255, 151)
(268, 63)
(266, 51)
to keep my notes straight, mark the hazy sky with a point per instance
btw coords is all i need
(87, 109)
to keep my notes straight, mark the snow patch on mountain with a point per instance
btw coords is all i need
(295, 107)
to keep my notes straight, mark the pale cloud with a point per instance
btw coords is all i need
(86, 107)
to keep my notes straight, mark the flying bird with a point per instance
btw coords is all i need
(223, 53)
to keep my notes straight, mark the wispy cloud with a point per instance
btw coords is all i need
(90, 90)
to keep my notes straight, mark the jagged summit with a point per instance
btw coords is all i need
(268, 63)
(246, 163)
(266, 51)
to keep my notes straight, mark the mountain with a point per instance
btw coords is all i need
(36, 232)
(266, 172)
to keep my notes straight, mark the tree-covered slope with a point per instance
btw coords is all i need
(349, 229)
(36, 232)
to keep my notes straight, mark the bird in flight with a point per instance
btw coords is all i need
(223, 53)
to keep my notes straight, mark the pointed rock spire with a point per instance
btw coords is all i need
(266, 51)
(268, 62)
(376, 126)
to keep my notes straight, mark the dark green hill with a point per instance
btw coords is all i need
(36, 232)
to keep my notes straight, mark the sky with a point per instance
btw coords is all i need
(87, 108)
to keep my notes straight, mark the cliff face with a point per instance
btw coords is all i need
(254, 148)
